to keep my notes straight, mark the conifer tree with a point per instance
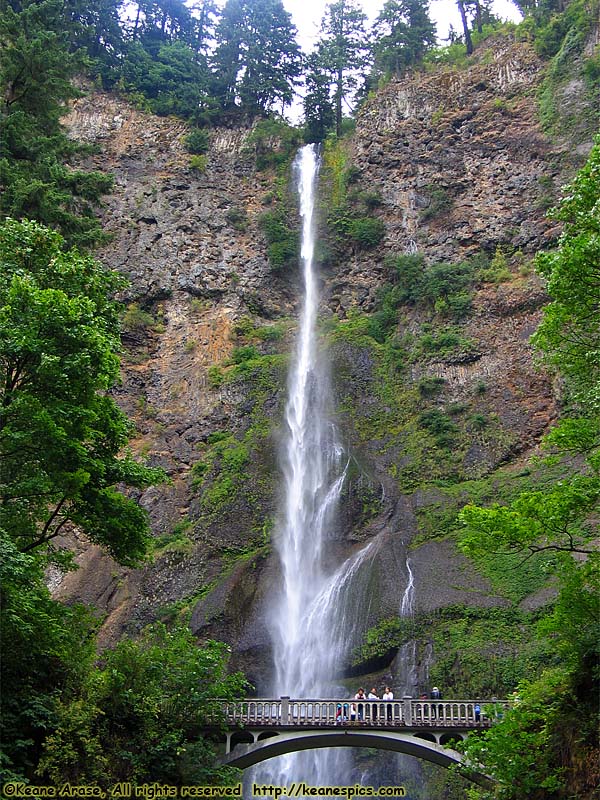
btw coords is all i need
(257, 61)
(403, 32)
(465, 24)
(343, 50)
(319, 114)
(37, 64)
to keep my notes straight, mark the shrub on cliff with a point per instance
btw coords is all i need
(197, 142)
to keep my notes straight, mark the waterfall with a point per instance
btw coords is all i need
(319, 611)
(408, 598)
(408, 678)
(312, 481)
(311, 618)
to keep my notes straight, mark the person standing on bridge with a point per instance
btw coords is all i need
(373, 696)
(435, 695)
(360, 695)
(388, 695)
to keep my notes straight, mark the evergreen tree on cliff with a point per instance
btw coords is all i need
(403, 33)
(37, 181)
(342, 51)
(319, 113)
(257, 61)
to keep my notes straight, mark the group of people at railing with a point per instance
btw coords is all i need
(355, 711)
(365, 709)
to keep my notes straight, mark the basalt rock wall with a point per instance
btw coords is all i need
(191, 243)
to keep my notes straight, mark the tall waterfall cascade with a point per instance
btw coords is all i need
(308, 620)
(318, 609)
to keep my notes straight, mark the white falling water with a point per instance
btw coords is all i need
(313, 478)
(408, 598)
(315, 614)
(408, 678)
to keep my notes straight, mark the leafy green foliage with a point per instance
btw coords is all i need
(341, 51)
(198, 163)
(137, 319)
(383, 640)
(439, 202)
(319, 113)
(143, 714)
(430, 385)
(468, 663)
(546, 745)
(197, 141)
(446, 342)
(569, 335)
(562, 38)
(282, 239)
(445, 287)
(274, 143)
(171, 79)
(440, 425)
(257, 60)
(366, 232)
(60, 433)
(403, 33)
(519, 750)
(47, 649)
(554, 520)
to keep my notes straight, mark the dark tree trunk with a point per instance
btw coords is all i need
(338, 104)
(137, 22)
(463, 16)
(478, 19)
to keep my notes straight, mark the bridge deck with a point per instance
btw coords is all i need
(290, 714)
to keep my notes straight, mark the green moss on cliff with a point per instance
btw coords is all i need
(419, 438)
(478, 652)
(235, 473)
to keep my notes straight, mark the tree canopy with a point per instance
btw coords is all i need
(61, 435)
(402, 33)
(569, 336)
(141, 716)
(257, 60)
(342, 50)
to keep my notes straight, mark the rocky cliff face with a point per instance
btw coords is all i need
(462, 168)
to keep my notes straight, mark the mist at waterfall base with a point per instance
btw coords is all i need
(317, 611)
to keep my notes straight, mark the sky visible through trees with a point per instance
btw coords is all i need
(307, 16)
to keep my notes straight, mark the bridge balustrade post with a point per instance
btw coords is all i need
(285, 710)
(407, 709)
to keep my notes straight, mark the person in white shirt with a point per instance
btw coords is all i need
(373, 696)
(388, 695)
(360, 695)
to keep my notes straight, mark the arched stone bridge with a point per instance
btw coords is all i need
(260, 729)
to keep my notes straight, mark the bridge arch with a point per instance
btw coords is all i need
(247, 755)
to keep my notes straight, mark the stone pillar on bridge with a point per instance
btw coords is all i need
(407, 709)
(285, 710)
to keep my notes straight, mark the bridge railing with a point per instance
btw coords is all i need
(405, 712)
